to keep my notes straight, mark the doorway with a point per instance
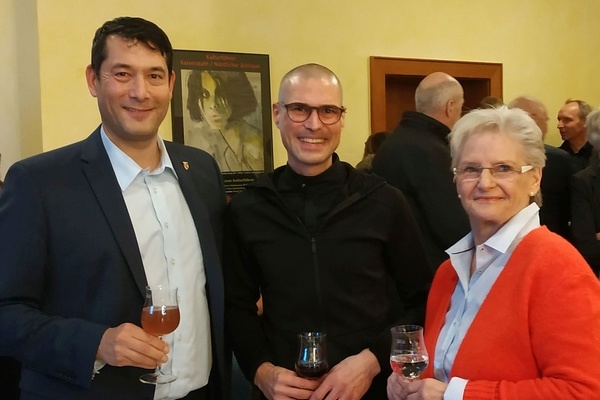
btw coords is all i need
(394, 81)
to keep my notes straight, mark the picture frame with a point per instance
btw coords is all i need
(222, 104)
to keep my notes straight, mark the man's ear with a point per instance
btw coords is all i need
(450, 105)
(91, 79)
(172, 77)
(276, 114)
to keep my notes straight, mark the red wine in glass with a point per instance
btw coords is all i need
(160, 321)
(312, 357)
(312, 371)
(160, 316)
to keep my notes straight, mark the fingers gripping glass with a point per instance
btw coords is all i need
(499, 171)
(300, 112)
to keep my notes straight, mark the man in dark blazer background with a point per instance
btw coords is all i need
(555, 212)
(76, 252)
(415, 158)
(585, 199)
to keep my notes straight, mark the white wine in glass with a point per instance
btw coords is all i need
(160, 316)
(408, 356)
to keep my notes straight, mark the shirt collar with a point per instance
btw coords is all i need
(334, 175)
(502, 242)
(505, 236)
(502, 239)
(125, 168)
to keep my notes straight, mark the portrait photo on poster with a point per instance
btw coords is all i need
(222, 105)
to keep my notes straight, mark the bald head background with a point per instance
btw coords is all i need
(440, 96)
(435, 90)
(536, 110)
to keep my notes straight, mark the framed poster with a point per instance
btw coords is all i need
(222, 104)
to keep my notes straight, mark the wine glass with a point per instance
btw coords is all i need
(408, 357)
(160, 316)
(312, 357)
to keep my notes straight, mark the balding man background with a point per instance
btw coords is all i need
(416, 159)
(571, 125)
(555, 212)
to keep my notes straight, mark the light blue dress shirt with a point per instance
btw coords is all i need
(471, 291)
(171, 255)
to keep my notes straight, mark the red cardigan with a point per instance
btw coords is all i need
(537, 333)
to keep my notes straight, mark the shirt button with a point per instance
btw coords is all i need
(172, 261)
(166, 225)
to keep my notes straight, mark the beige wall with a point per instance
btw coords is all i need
(544, 46)
(20, 116)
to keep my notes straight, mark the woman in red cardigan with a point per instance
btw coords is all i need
(515, 312)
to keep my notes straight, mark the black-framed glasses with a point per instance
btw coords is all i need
(499, 171)
(300, 112)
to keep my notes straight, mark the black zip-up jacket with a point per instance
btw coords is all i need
(361, 271)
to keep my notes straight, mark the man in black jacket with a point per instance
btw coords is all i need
(329, 248)
(556, 208)
(415, 158)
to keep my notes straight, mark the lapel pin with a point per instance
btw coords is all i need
(186, 165)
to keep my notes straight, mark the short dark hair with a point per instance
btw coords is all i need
(232, 87)
(135, 29)
(491, 102)
(374, 141)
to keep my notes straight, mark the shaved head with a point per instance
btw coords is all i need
(308, 71)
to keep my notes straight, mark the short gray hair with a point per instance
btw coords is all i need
(592, 128)
(514, 122)
(434, 98)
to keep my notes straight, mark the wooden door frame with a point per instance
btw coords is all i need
(381, 67)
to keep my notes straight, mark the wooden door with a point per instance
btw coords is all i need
(394, 81)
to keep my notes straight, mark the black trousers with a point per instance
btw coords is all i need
(10, 375)
(198, 394)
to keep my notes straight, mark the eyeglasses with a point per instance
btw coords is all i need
(500, 171)
(300, 112)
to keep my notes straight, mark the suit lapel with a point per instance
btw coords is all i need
(100, 175)
(185, 172)
(190, 178)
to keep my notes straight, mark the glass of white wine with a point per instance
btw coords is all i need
(408, 356)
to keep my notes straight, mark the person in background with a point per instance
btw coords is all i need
(571, 125)
(556, 211)
(515, 312)
(371, 147)
(85, 228)
(415, 158)
(585, 200)
(491, 102)
(330, 249)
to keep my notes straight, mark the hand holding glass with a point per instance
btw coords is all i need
(160, 316)
(408, 356)
(312, 357)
